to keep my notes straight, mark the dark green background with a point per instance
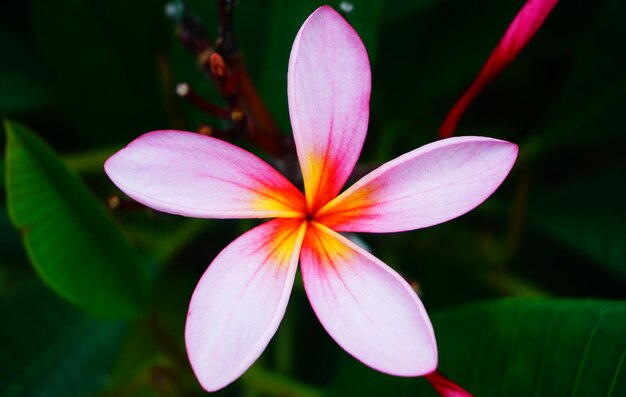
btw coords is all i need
(526, 293)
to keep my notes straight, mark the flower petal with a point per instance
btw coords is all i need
(329, 89)
(365, 306)
(240, 300)
(189, 174)
(520, 31)
(427, 186)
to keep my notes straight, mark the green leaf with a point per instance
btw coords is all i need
(50, 349)
(534, 347)
(71, 240)
(516, 347)
(588, 214)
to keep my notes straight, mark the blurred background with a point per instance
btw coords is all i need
(526, 293)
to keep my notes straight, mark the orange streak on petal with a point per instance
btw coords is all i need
(282, 204)
(283, 199)
(348, 205)
(285, 240)
(319, 184)
(328, 250)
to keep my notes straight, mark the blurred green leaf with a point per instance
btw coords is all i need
(588, 214)
(517, 347)
(71, 240)
(50, 349)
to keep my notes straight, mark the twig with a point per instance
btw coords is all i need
(226, 42)
(208, 130)
(224, 65)
(186, 92)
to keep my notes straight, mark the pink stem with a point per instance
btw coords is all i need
(522, 29)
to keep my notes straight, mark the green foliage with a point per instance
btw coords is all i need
(51, 349)
(89, 76)
(517, 347)
(71, 240)
(525, 347)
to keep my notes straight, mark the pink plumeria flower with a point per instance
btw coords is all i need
(520, 31)
(363, 304)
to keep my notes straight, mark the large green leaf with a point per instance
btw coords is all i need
(534, 347)
(50, 349)
(518, 347)
(71, 240)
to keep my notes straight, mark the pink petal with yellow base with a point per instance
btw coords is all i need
(190, 174)
(522, 29)
(429, 185)
(329, 90)
(240, 300)
(365, 306)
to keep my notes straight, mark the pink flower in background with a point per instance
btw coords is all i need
(522, 29)
(364, 305)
